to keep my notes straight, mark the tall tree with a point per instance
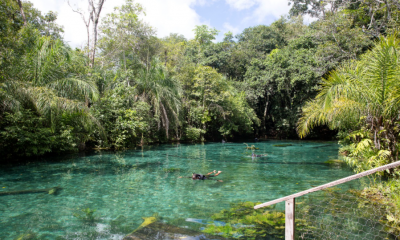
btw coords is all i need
(203, 38)
(94, 10)
(374, 17)
(86, 21)
(125, 39)
(315, 8)
(156, 87)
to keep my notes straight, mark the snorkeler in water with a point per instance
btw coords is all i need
(253, 155)
(196, 176)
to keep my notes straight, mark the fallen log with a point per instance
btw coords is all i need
(52, 190)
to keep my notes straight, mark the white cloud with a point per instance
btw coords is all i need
(262, 8)
(276, 8)
(228, 27)
(172, 16)
(167, 16)
(241, 4)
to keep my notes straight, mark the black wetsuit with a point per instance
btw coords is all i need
(199, 177)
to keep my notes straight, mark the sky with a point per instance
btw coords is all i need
(173, 16)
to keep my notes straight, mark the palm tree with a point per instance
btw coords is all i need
(161, 91)
(365, 91)
(50, 80)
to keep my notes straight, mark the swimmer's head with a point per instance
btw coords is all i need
(198, 176)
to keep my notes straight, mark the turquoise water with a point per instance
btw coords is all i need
(133, 184)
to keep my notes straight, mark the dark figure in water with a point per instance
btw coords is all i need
(196, 176)
(255, 139)
(255, 155)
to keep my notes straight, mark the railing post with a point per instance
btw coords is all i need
(289, 219)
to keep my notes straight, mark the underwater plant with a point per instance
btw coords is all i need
(242, 221)
(27, 236)
(170, 170)
(86, 216)
(250, 148)
(283, 145)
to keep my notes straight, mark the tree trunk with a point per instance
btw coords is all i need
(166, 58)
(265, 115)
(93, 50)
(123, 51)
(22, 11)
(388, 15)
(88, 38)
(95, 16)
(87, 24)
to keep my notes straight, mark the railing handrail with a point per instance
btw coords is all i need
(331, 184)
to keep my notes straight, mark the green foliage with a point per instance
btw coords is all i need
(361, 153)
(313, 8)
(124, 120)
(86, 215)
(50, 82)
(204, 35)
(155, 90)
(339, 39)
(194, 134)
(361, 98)
(242, 221)
(125, 40)
(214, 105)
(162, 92)
(25, 134)
(384, 196)
(173, 47)
(375, 17)
(278, 84)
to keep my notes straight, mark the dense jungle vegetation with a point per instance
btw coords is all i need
(129, 87)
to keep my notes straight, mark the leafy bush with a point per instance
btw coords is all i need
(125, 121)
(25, 134)
(194, 134)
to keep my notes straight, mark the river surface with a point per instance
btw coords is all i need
(139, 183)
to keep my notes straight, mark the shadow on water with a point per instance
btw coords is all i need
(257, 162)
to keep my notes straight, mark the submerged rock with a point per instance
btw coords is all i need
(282, 145)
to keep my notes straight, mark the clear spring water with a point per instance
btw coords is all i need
(133, 184)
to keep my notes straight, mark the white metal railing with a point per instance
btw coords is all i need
(290, 199)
